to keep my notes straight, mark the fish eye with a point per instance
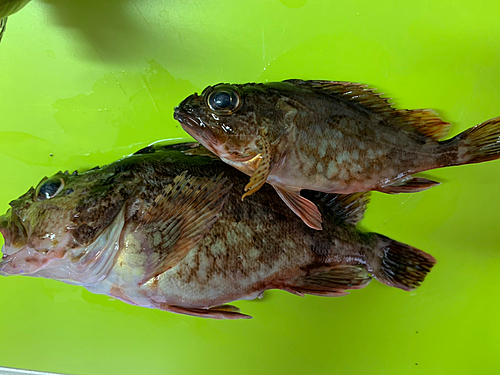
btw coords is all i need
(49, 188)
(223, 100)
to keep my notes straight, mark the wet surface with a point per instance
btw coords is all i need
(83, 84)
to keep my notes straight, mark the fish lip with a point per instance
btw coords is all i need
(9, 265)
(196, 128)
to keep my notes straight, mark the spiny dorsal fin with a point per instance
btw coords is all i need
(349, 208)
(422, 121)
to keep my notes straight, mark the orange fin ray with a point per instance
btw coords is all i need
(302, 207)
(261, 173)
(481, 143)
(424, 121)
(412, 185)
(180, 218)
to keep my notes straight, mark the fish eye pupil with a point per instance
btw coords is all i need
(222, 100)
(49, 189)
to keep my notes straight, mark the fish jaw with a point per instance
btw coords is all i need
(198, 130)
(19, 256)
(203, 134)
(81, 265)
(25, 261)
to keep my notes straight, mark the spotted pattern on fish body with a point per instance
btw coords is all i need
(223, 249)
(312, 124)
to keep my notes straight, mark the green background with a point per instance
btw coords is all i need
(84, 83)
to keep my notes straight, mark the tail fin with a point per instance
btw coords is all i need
(400, 265)
(477, 144)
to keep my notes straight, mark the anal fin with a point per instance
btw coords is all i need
(411, 185)
(302, 207)
(349, 208)
(216, 312)
(330, 281)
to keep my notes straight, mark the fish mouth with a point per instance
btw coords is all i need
(19, 257)
(24, 261)
(83, 266)
(196, 129)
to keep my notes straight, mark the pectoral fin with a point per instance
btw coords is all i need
(348, 208)
(411, 185)
(179, 219)
(302, 207)
(261, 173)
(216, 312)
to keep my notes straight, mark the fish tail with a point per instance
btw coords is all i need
(475, 145)
(399, 265)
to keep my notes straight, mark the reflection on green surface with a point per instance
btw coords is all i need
(95, 81)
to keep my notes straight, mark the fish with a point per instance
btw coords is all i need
(333, 137)
(8, 8)
(166, 230)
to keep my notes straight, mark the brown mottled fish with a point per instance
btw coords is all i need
(165, 230)
(334, 137)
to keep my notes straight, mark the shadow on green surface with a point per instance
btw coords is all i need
(114, 30)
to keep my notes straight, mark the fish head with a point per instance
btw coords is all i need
(60, 228)
(230, 120)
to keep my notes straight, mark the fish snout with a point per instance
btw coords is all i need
(177, 114)
(188, 105)
(195, 128)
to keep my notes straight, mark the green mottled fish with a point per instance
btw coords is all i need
(334, 137)
(165, 230)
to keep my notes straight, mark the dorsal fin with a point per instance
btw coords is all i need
(349, 208)
(422, 121)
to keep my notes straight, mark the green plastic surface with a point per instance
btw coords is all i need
(83, 83)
